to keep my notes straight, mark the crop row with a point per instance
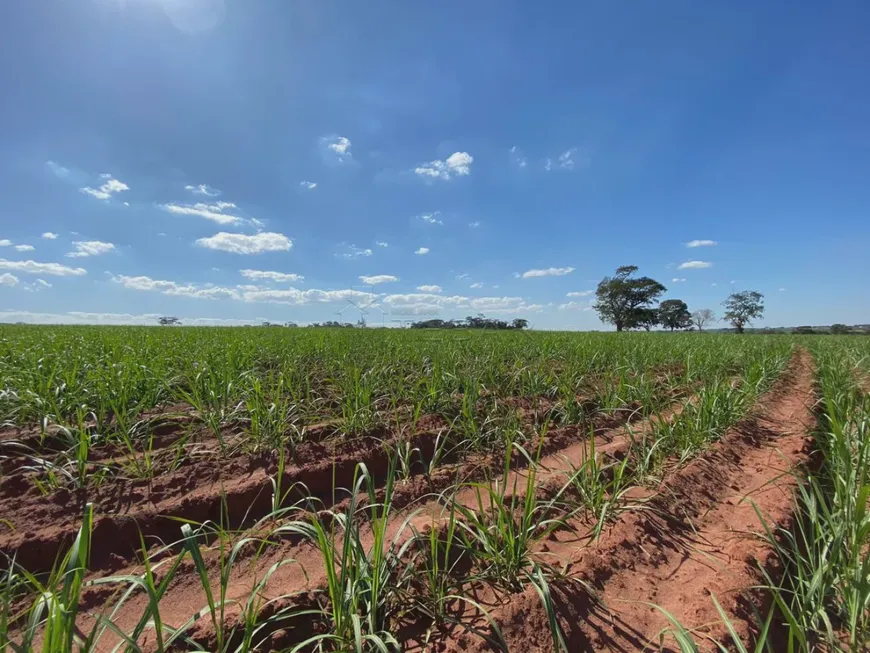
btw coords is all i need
(380, 575)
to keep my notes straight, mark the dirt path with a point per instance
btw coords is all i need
(698, 539)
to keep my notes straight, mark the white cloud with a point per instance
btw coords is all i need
(57, 169)
(714, 284)
(214, 212)
(5, 242)
(242, 244)
(460, 277)
(782, 290)
(81, 317)
(548, 165)
(86, 248)
(429, 289)
(43, 283)
(457, 164)
(432, 304)
(566, 159)
(300, 297)
(677, 280)
(431, 218)
(574, 306)
(34, 267)
(474, 224)
(310, 185)
(701, 243)
(25, 248)
(109, 188)
(695, 265)
(378, 278)
(422, 250)
(49, 236)
(548, 272)
(258, 275)
(352, 251)
(476, 284)
(517, 157)
(381, 243)
(338, 147)
(7, 279)
(176, 289)
(203, 189)
(581, 293)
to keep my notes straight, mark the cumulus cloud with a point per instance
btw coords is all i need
(381, 243)
(215, 212)
(265, 275)
(378, 278)
(547, 272)
(421, 251)
(300, 297)
(85, 248)
(35, 267)
(677, 280)
(701, 243)
(5, 242)
(25, 248)
(431, 218)
(203, 189)
(43, 283)
(337, 147)
(476, 284)
(310, 185)
(429, 288)
(695, 265)
(49, 236)
(264, 241)
(107, 189)
(432, 304)
(173, 288)
(9, 280)
(580, 293)
(57, 169)
(456, 165)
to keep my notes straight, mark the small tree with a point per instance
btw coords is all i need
(703, 317)
(623, 299)
(168, 320)
(674, 314)
(743, 307)
(519, 323)
(839, 329)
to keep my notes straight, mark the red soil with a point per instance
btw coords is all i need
(698, 537)
(692, 543)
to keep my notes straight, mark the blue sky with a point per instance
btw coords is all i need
(230, 161)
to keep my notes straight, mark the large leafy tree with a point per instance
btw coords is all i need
(674, 314)
(645, 318)
(743, 307)
(623, 299)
